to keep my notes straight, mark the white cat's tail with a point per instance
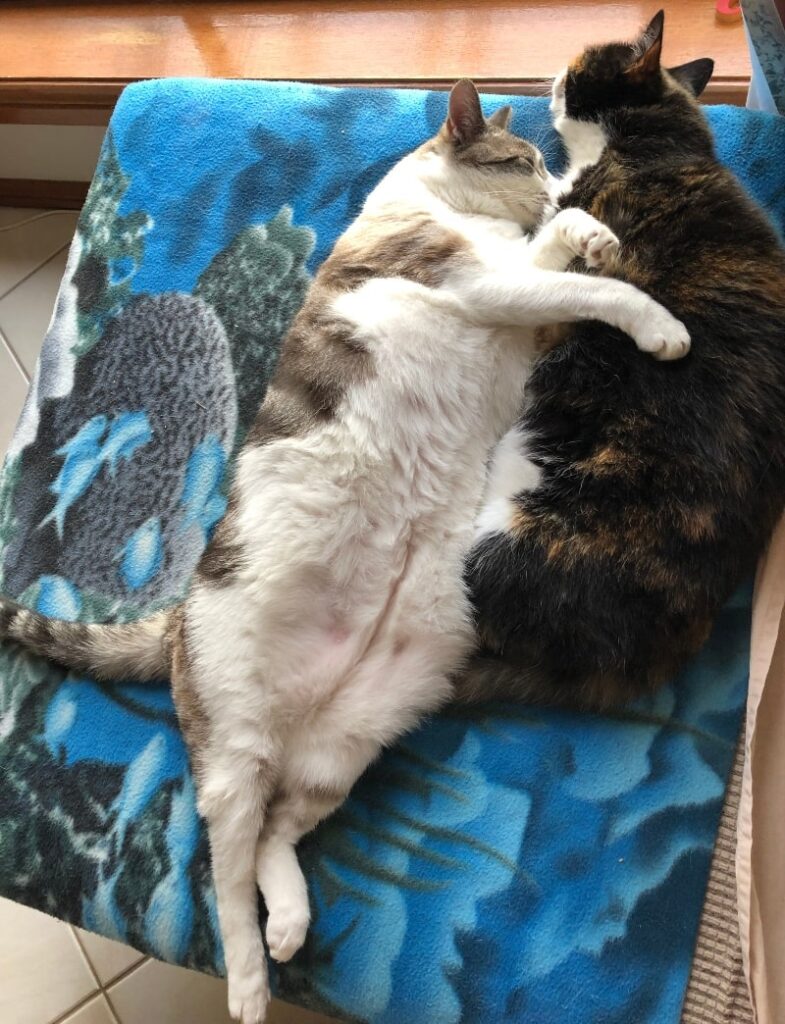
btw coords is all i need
(133, 651)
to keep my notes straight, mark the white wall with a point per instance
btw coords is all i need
(49, 152)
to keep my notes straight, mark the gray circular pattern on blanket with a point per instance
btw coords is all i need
(166, 355)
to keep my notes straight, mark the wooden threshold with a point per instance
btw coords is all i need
(79, 103)
(46, 195)
(66, 63)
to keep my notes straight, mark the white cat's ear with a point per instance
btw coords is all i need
(501, 118)
(648, 49)
(695, 75)
(465, 122)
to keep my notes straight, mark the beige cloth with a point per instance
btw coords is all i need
(717, 991)
(760, 853)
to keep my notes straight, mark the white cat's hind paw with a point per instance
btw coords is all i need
(286, 931)
(249, 995)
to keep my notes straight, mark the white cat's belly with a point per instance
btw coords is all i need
(356, 536)
(339, 574)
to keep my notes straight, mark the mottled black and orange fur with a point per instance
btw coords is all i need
(661, 482)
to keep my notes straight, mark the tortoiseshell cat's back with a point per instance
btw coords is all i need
(641, 493)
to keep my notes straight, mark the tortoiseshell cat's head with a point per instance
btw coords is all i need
(606, 78)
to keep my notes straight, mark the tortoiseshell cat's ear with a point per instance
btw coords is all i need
(465, 122)
(694, 75)
(648, 49)
(501, 118)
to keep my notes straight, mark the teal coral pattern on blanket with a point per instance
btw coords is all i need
(500, 865)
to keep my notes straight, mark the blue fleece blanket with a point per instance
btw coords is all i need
(502, 865)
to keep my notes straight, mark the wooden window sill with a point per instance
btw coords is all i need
(66, 63)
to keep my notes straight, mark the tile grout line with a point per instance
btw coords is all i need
(30, 273)
(64, 1016)
(14, 357)
(102, 990)
(110, 1004)
(120, 976)
(124, 974)
(23, 224)
(107, 991)
(85, 957)
(15, 225)
(110, 1007)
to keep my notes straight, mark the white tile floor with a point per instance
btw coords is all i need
(50, 972)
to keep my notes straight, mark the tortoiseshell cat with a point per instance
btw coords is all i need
(635, 496)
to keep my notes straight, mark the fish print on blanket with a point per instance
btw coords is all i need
(504, 865)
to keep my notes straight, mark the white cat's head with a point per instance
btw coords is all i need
(478, 166)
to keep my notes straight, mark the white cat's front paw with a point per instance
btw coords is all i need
(249, 995)
(601, 247)
(662, 335)
(587, 237)
(286, 930)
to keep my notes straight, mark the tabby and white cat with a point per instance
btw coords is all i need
(633, 497)
(329, 611)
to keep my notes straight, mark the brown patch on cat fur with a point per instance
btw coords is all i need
(729, 270)
(322, 355)
(324, 793)
(610, 461)
(191, 714)
(634, 542)
(547, 338)
(222, 559)
(422, 251)
(320, 359)
(223, 556)
(555, 549)
(602, 694)
(558, 545)
(699, 524)
(715, 268)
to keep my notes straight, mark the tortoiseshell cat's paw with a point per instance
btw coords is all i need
(587, 237)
